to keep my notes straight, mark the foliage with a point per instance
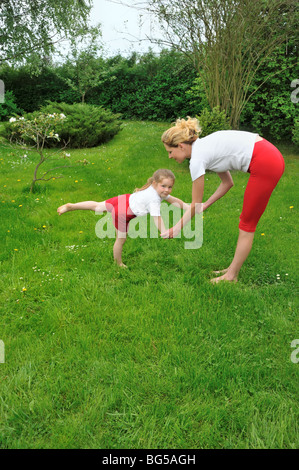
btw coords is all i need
(86, 125)
(83, 64)
(270, 110)
(9, 107)
(213, 120)
(33, 134)
(30, 25)
(32, 91)
(227, 41)
(296, 132)
(161, 87)
(147, 87)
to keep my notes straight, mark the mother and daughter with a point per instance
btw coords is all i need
(219, 152)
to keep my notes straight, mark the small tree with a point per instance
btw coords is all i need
(34, 135)
(83, 65)
(228, 41)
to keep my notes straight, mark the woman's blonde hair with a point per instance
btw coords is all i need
(157, 177)
(183, 131)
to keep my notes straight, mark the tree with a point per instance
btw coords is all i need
(39, 131)
(227, 40)
(36, 25)
(84, 65)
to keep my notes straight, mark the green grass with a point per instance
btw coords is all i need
(154, 356)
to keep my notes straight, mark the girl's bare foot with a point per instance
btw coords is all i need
(122, 265)
(64, 208)
(222, 271)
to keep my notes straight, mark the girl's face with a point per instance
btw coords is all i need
(179, 153)
(164, 187)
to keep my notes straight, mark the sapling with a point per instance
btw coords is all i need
(34, 135)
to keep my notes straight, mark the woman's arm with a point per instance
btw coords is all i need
(223, 188)
(195, 206)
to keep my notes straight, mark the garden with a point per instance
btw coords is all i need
(155, 356)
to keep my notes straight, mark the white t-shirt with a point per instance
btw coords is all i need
(146, 201)
(222, 151)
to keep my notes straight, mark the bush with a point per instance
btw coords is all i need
(9, 107)
(212, 121)
(296, 132)
(85, 126)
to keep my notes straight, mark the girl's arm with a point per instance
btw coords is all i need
(195, 206)
(178, 202)
(159, 223)
(223, 188)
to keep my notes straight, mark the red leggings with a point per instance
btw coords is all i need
(266, 168)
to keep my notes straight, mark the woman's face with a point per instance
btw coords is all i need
(179, 153)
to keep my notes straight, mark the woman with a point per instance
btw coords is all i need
(221, 152)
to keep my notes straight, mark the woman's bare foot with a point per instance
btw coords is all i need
(64, 208)
(225, 277)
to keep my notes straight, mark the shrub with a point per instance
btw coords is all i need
(296, 132)
(9, 107)
(85, 126)
(212, 121)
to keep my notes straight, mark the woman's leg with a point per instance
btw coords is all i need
(121, 238)
(266, 169)
(98, 207)
(243, 248)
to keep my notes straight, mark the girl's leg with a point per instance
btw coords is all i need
(121, 238)
(98, 207)
(243, 248)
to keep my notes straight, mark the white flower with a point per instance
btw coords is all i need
(12, 119)
(62, 116)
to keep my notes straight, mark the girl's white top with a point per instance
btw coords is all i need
(146, 201)
(222, 151)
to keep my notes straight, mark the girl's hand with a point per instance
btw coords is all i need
(167, 233)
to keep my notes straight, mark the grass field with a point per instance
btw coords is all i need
(153, 356)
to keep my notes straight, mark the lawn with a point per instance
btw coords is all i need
(153, 356)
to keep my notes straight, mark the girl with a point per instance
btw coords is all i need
(220, 152)
(128, 206)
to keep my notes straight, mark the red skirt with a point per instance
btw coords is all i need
(121, 212)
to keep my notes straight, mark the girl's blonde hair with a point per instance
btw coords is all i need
(157, 177)
(183, 131)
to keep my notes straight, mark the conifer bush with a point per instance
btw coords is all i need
(85, 125)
